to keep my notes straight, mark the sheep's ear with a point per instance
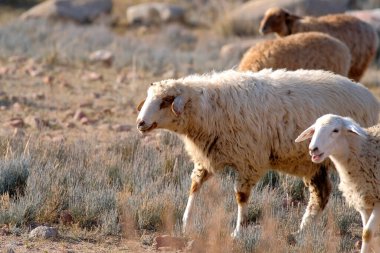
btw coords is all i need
(178, 105)
(291, 17)
(140, 105)
(356, 129)
(307, 134)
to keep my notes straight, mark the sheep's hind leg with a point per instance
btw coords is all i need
(198, 177)
(369, 230)
(243, 187)
(319, 187)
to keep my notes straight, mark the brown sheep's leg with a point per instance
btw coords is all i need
(319, 188)
(198, 177)
(243, 187)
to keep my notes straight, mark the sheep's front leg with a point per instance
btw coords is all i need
(243, 187)
(198, 177)
(369, 230)
(319, 187)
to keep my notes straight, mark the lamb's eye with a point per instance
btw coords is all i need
(335, 131)
(166, 102)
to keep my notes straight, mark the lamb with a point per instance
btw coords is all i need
(311, 50)
(359, 36)
(249, 121)
(355, 153)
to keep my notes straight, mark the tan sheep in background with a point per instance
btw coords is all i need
(355, 153)
(359, 36)
(249, 121)
(312, 50)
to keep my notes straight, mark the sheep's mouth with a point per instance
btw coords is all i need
(147, 129)
(317, 158)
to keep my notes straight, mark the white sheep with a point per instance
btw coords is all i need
(355, 153)
(249, 121)
(359, 36)
(311, 50)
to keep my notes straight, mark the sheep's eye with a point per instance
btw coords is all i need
(335, 131)
(166, 102)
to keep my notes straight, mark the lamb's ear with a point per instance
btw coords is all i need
(356, 129)
(140, 105)
(307, 134)
(178, 105)
(290, 17)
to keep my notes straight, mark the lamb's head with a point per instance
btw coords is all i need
(163, 106)
(277, 20)
(329, 136)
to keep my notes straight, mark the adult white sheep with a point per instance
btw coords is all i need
(311, 50)
(359, 36)
(249, 121)
(355, 153)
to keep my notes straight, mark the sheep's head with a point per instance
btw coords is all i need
(163, 106)
(277, 20)
(328, 136)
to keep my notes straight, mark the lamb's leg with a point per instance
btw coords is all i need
(369, 230)
(243, 187)
(319, 188)
(198, 177)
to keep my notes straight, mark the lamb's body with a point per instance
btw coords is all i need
(360, 175)
(355, 153)
(359, 36)
(312, 50)
(249, 121)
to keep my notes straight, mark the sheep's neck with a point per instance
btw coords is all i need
(349, 153)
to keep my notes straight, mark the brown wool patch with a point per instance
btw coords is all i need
(367, 234)
(241, 197)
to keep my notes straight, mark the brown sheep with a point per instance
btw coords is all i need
(312, 50)
(359, 36)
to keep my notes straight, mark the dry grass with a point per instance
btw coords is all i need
(121, 184)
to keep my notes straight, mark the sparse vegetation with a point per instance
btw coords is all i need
(118, 184)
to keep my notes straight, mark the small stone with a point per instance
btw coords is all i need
(4, 70)
(92, 76)
(48, 80)
(85, 121)
(79, 114)
(43, 232)
(16, 122)
(358, 244)
(103, 56)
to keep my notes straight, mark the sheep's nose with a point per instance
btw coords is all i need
(141, 123)
(313, 149)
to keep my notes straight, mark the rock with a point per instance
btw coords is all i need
(16, 122)
(102, 56)
(38, 96)
(79, 114)
(92, 76)
(358, 244)
(43, 232)
(48, 80)
(370, 16)
(166, 242)
(245, 19)
(122, 128)
(82, 11)
(154, 13)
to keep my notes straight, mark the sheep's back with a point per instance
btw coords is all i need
(312, 50)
